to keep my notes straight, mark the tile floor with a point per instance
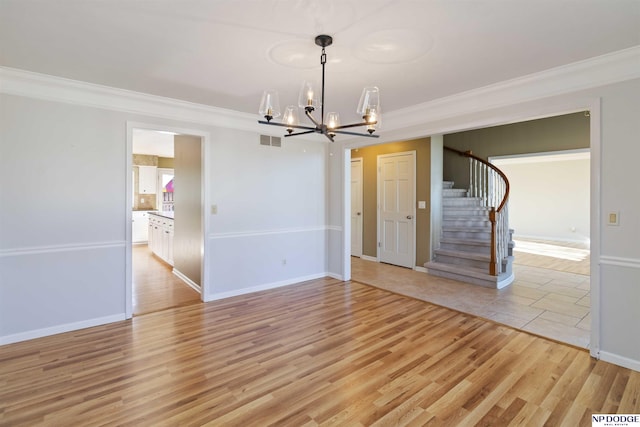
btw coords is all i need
(550, 303)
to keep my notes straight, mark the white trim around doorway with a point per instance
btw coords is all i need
(205, 138)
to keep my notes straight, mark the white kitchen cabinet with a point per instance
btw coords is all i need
(140, 227)
(161, 237)
(155, 235)
(147, 179)
(166, 249)
(152, 239)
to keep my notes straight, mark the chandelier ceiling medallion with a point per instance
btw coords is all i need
(329, 125)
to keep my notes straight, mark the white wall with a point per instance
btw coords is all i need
(620, 248)
(270, 228)
(437, 172)
(63, 218)
(339, 217)
(62, 234)
(549, 196)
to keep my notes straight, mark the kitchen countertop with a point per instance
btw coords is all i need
(165, 214)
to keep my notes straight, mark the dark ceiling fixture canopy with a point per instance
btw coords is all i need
(329, 125)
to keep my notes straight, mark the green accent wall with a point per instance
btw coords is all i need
(566, 132)
(369, 156)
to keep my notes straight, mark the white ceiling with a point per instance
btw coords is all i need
(154, 143)
(226, 52)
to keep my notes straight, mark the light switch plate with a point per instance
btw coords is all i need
(613, 218)
(214, 209)
(422, 204)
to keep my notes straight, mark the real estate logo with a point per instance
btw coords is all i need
(615, 420)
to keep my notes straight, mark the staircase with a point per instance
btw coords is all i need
(465, 243)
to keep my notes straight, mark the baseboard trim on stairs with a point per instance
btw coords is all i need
(469, 275)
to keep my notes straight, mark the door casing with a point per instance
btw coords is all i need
(357, 213)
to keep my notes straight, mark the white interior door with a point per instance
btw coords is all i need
(356, 207)
(396, 208)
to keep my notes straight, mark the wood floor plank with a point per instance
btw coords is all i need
(322, 352)
(631, 394)
(154, 286)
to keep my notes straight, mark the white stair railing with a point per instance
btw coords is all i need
(491, 186)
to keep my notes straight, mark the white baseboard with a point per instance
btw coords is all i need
(188, 281)
(625, 362)
(67, 327)
(369, 258)
(335, 276)
(264, 287)
(583, 240)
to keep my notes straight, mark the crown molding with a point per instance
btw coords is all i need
(42, 86)
(591, 73)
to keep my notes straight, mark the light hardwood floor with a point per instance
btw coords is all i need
(322, 352)
(155, 287)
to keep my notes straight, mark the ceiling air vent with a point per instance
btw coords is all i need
(273, 141)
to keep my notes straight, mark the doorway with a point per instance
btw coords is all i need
(167, 269)
(551, 294)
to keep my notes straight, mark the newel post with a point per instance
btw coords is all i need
(493, 262)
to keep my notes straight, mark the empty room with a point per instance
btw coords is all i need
(269, 314)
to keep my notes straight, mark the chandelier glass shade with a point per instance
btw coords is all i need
(310, 99)
(270, 104)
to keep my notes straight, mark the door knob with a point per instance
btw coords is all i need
(359, 213)
(409, 217)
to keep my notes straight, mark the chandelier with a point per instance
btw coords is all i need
(329, 125)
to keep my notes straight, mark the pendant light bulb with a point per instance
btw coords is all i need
(308, 98)
(269, 105)
(290, 117)
(369, 104)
